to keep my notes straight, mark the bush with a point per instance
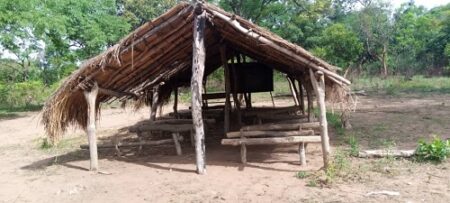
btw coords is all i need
(437, 150)
(23, 95)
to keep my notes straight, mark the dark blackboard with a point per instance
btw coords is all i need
(252, 77)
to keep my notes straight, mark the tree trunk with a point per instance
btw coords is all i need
(198, 69)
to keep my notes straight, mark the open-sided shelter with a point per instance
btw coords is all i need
(180, 48)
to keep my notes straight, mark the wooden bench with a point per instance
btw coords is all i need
(173, 126)
(274, 134)
(210, 96)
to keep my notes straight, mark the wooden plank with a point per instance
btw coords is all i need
(269, 116)
(274, 126)
(132, 144)
(198, 69)
(271, 140)
(215, 95)
(260, 133)
(165, 127)
(91, 97)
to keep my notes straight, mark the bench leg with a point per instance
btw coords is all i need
(302, 152)
(243, 154)
(177, 143)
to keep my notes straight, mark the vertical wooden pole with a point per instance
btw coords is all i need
(248, 100)
(226, 69)
(310, 102)
(236, 100)
(319, 88)
(91, 97)
(198, 69)
(160, 109)
(155, 103)
(293, 92)
(302, 152)
(302, 97)
(176, 140)
(273, 101)
(175, 102)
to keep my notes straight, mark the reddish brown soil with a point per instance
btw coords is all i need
(31, 174)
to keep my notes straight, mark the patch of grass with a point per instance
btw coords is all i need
(354, 146)
(334, 120)
(45, 144)
(396, 84)
(339, 166)
(302, 175)
(312, 183)
(63, 145)
(379, 128)
(437, 150)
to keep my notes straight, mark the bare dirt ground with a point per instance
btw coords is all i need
(31, 174)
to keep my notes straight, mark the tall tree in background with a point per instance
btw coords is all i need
(376, 30)
(137, 12)
(16, 34)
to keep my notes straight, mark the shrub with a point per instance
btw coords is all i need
(354, 146)
(23, 95)
(301, 174)
(437, 150)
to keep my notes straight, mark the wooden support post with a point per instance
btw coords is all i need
(302, 153)
(319, 88)
(155, 102)
(198, 69)
(273, 101)
(301, 97)
(236, 100)
(310, 103)
(176, 138)
(293, 92)
(91, 97)
(226, 120)
(160, 109)
(175, 102)
(243, 148)
(248, 100)
(243, 153)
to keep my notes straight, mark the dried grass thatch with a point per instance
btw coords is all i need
(160, 51)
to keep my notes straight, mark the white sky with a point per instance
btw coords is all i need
(427, 3)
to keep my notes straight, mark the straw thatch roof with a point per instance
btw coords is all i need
(161, 51)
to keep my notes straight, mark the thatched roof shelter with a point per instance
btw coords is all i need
(160, 52)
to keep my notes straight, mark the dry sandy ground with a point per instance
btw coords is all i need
(30, 174)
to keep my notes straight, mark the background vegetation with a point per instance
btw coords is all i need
(41, 42)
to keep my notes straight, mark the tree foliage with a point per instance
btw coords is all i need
(41, 42)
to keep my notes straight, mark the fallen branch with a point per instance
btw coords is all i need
(381, 153)
(383, 192)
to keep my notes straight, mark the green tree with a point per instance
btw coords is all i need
(137, 12)
(339, 45)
